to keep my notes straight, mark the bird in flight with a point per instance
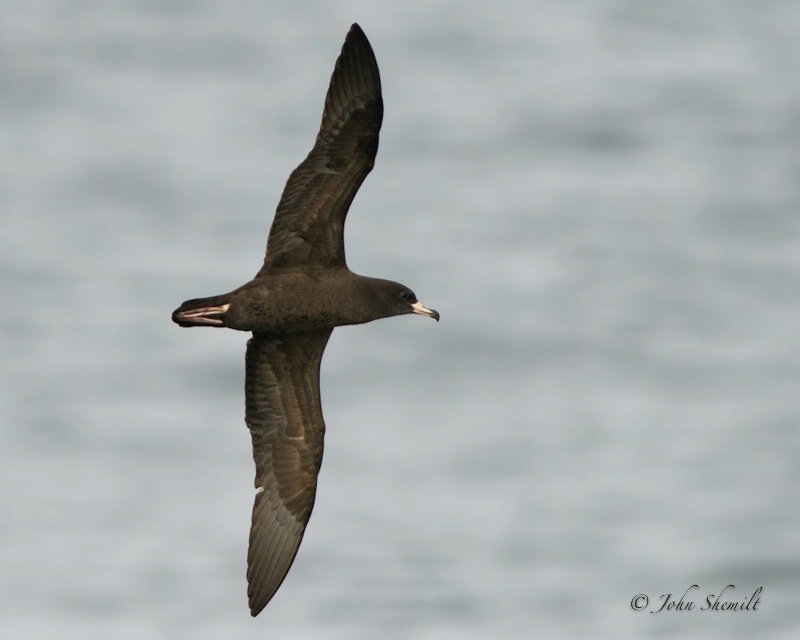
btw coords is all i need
(303, 290)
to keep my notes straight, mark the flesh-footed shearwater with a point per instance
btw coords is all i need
(304, 290)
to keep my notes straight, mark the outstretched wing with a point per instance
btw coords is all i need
(284, 415)
(308, 229)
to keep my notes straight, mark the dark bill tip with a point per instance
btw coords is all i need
(422, 310)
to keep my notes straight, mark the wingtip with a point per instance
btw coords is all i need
(357, 50)
(256, 599)
(356, 32)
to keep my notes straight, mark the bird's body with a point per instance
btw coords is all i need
(279, 302)
(303, 290)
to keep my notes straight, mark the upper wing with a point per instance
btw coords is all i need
(308, 229)
(284, 415)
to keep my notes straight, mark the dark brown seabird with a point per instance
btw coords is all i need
(304, 290)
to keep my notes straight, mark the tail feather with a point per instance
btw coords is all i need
(202, 312)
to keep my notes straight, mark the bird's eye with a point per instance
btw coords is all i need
(408, 295)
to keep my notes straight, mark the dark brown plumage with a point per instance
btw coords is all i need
(303, 290)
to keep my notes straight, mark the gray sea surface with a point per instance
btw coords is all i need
(600, 197)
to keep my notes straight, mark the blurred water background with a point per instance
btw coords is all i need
(600, 197)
